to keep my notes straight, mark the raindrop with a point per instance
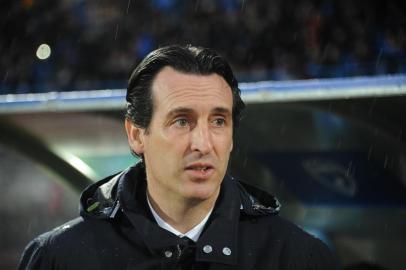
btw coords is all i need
(399, 135)
(349, 169)
(242, 5)
(330, 106)
(282, 130)
(115, 36)
(392, 161)
(371, 108)
(370, 152)
(325, 52)
(128, 6)
(29, 227)
(378, 59)
(386, 227)
(5, 76)
(376, 131)
(339, 143)
(245, 162)
(197, 5)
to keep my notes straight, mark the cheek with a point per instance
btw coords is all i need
(172, 146)
(223, 151)
(226, 143)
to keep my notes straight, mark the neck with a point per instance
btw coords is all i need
(181, 214)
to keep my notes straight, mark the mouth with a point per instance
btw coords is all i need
(200, 170)
(199, 167)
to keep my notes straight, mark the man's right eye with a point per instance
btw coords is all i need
(181, 122)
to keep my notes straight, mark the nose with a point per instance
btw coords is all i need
(201, 140)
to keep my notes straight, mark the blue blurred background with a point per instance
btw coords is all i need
(94, 44)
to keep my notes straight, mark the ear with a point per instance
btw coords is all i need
(231, 146)
(135, 137)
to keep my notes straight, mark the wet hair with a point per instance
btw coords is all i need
(185, 59)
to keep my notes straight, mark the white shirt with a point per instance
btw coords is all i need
(193, 234)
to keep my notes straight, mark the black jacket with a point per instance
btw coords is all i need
(116, 230)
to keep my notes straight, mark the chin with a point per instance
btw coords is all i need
(202, 193)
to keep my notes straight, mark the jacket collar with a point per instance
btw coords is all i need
(220, 233)
(132, 195)
(218, 242)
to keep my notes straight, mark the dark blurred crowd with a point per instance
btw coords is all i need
(95, 43)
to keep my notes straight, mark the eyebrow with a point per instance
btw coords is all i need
(186, 110)
(221, 110)
(179, 110)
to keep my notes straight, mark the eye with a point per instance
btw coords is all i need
(219, 122)
(181, 122)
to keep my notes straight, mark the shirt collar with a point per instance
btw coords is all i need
(193, 234)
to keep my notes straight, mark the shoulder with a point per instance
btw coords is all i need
(276, 227)
(67, 232)
(287, 242)
(293, 236)
(63, 242)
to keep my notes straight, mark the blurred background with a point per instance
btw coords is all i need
(324, 83)
(94, 43)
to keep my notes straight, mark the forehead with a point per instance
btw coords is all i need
(172, 88)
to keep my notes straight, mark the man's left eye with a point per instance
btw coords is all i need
(219, 122)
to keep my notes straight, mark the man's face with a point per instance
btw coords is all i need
(188, 143)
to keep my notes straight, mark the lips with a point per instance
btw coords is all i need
(200, 171)
(199, 166)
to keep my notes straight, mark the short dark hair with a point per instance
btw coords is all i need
(186, 59)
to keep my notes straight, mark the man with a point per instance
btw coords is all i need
(177, 208)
